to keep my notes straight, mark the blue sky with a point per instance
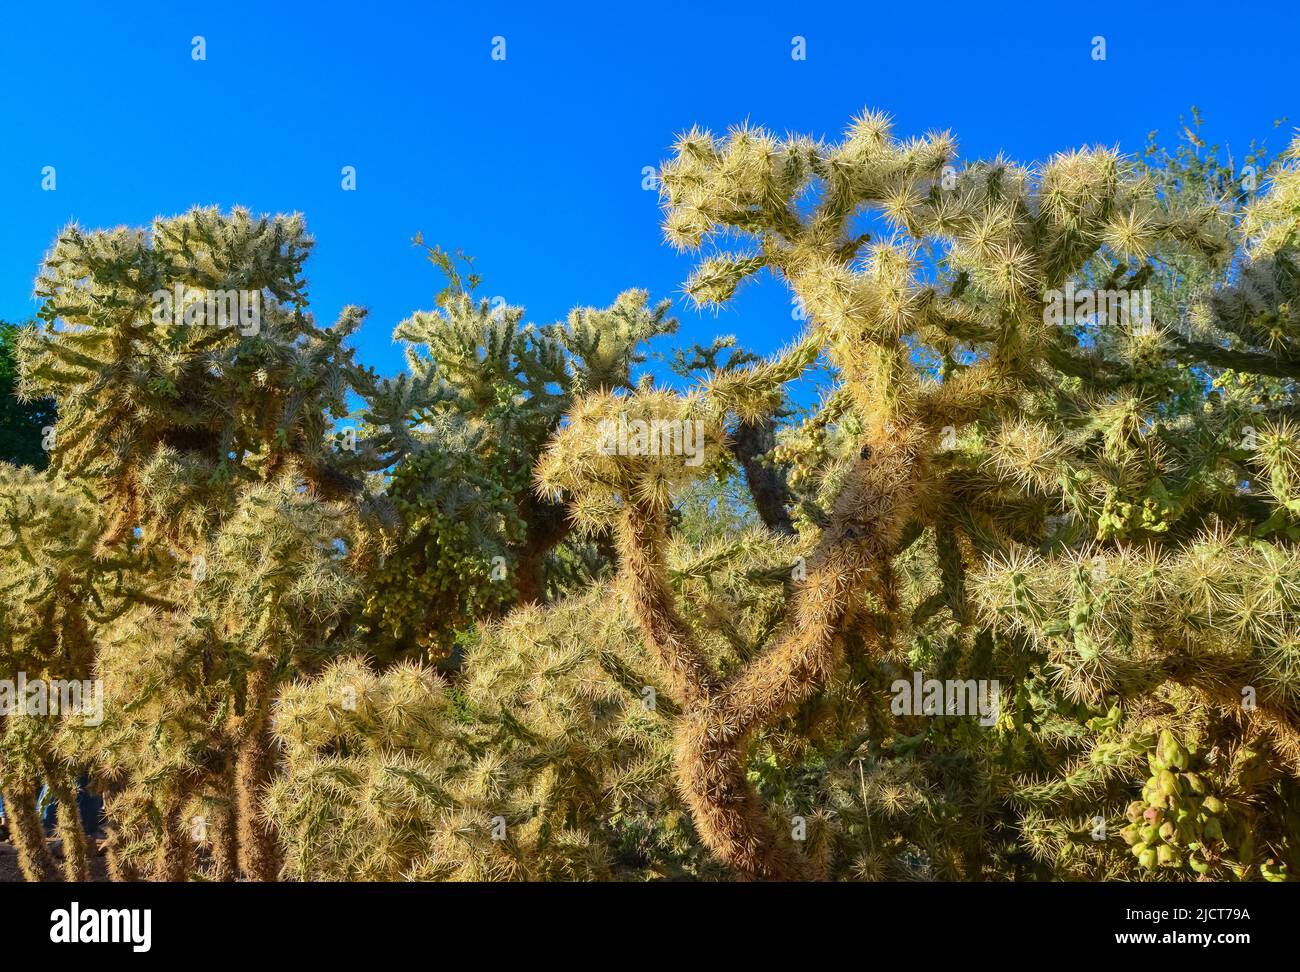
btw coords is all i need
(534, 164)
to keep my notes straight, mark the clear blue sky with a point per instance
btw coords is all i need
(534, 164)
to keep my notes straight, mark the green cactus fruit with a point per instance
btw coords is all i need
(1168, 856)
(1167, 747)
(1212, 805)
(1270, 870)
(1212, 829)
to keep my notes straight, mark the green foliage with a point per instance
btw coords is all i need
(22, 424)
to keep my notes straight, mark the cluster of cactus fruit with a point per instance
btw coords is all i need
(1180, 821)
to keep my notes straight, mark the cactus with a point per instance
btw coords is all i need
(207, 550)
(689, 667)
(1010, 235)
(462, 430)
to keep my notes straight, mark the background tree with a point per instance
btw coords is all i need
(22, 424)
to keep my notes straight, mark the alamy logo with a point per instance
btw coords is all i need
(21, 696)
(195, 307)
(1064, 308)
(931, 697)
(130, 925)
(653, 437)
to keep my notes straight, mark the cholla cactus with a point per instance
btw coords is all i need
(231, 383)
(543, 764)
(53, 596)
(1270, 223)
(931, 359)
(365, 772)
(995, 486)
(462, 431)
(1201, 637)
(185, 738)
(194, 398)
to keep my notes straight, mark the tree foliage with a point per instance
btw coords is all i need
(22, 424)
